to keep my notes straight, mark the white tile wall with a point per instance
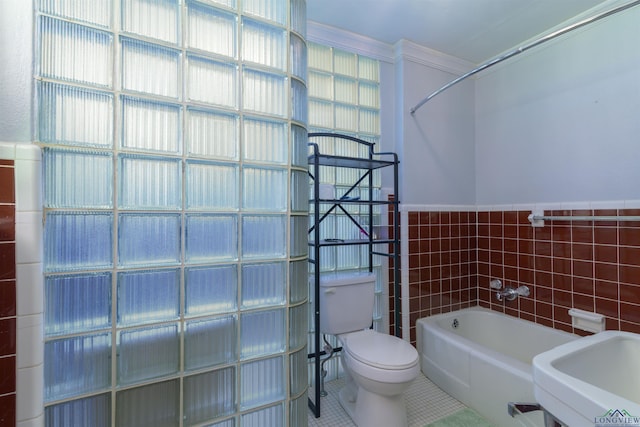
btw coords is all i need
(29, 283)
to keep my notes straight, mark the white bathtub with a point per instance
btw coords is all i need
(483, 359)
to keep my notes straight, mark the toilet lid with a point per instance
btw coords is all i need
(381, 350)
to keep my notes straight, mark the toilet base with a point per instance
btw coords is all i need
(374, 410)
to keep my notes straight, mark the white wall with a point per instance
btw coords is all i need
(16, 58)
(561, 122)
(437, 143)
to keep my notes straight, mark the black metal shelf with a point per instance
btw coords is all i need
(350, 242)
(351, 163)
(367, 165)
(352, 202)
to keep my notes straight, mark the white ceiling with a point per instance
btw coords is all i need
(473, 30)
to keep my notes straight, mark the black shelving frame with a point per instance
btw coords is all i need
(367, 165)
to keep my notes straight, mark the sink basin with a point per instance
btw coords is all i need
(589, 378)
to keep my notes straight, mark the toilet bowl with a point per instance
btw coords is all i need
(378, 369)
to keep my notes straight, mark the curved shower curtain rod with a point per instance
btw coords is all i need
(526, 47)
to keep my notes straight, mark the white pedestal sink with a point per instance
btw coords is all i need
(593, 380)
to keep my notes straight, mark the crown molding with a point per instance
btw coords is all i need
(352, 42)
(406, 50)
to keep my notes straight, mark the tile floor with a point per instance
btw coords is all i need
(426, 403)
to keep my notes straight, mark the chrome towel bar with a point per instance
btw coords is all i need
(537, 220)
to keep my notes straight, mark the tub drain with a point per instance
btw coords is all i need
(455, 323)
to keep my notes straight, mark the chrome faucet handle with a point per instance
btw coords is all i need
(508, 294)
(495, 284)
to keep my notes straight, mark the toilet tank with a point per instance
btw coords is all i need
(346, 302)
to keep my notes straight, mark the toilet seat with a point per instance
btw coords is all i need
(380, 357)
(381, 350)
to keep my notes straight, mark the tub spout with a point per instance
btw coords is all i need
(509, 293)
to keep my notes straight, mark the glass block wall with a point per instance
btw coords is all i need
(174, 138)
(344, 97)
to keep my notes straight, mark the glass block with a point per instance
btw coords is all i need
(299, 245)
(71, 181)
(148, 296)
(347, 177)
(157, 19)
(211, 289)
(328, 259)
(321, 114)
(299, 146)
(94, 411)
(146, 240)
(264, 189)
(263, 285)
(198, 392)
(369, 121)
(344, 147)
(150, 126)
(348, 257)
(320, 85)
(299, 17)
(153, 405)
(369, 95)
(264, 92)
(368, 68)
(344, 63)
(265, 141)
(228, 3)
(298, 278)
(320, 57)
(298, 326)
(346, 90)
(210, 342)
(212, 82)
(264, 44)
(212, 185)
(211, 30)
(271, 416)
(262, 382)
(299, 410)
(75, 53)
(150, 182)
(231, 422)
(74, 116)
(298, 370)
(77, 365)
(98, 12)
(299, 101)
(77, 303)
(212, 134)
(347, 229)
(346, 118)
(150, 68)
(262, 333)
(78, 240)
(298, 51)
(299, 191)
(328, 231)
(211, 238)
(148, 353)
(273, 10)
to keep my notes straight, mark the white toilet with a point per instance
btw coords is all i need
(378, 367)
